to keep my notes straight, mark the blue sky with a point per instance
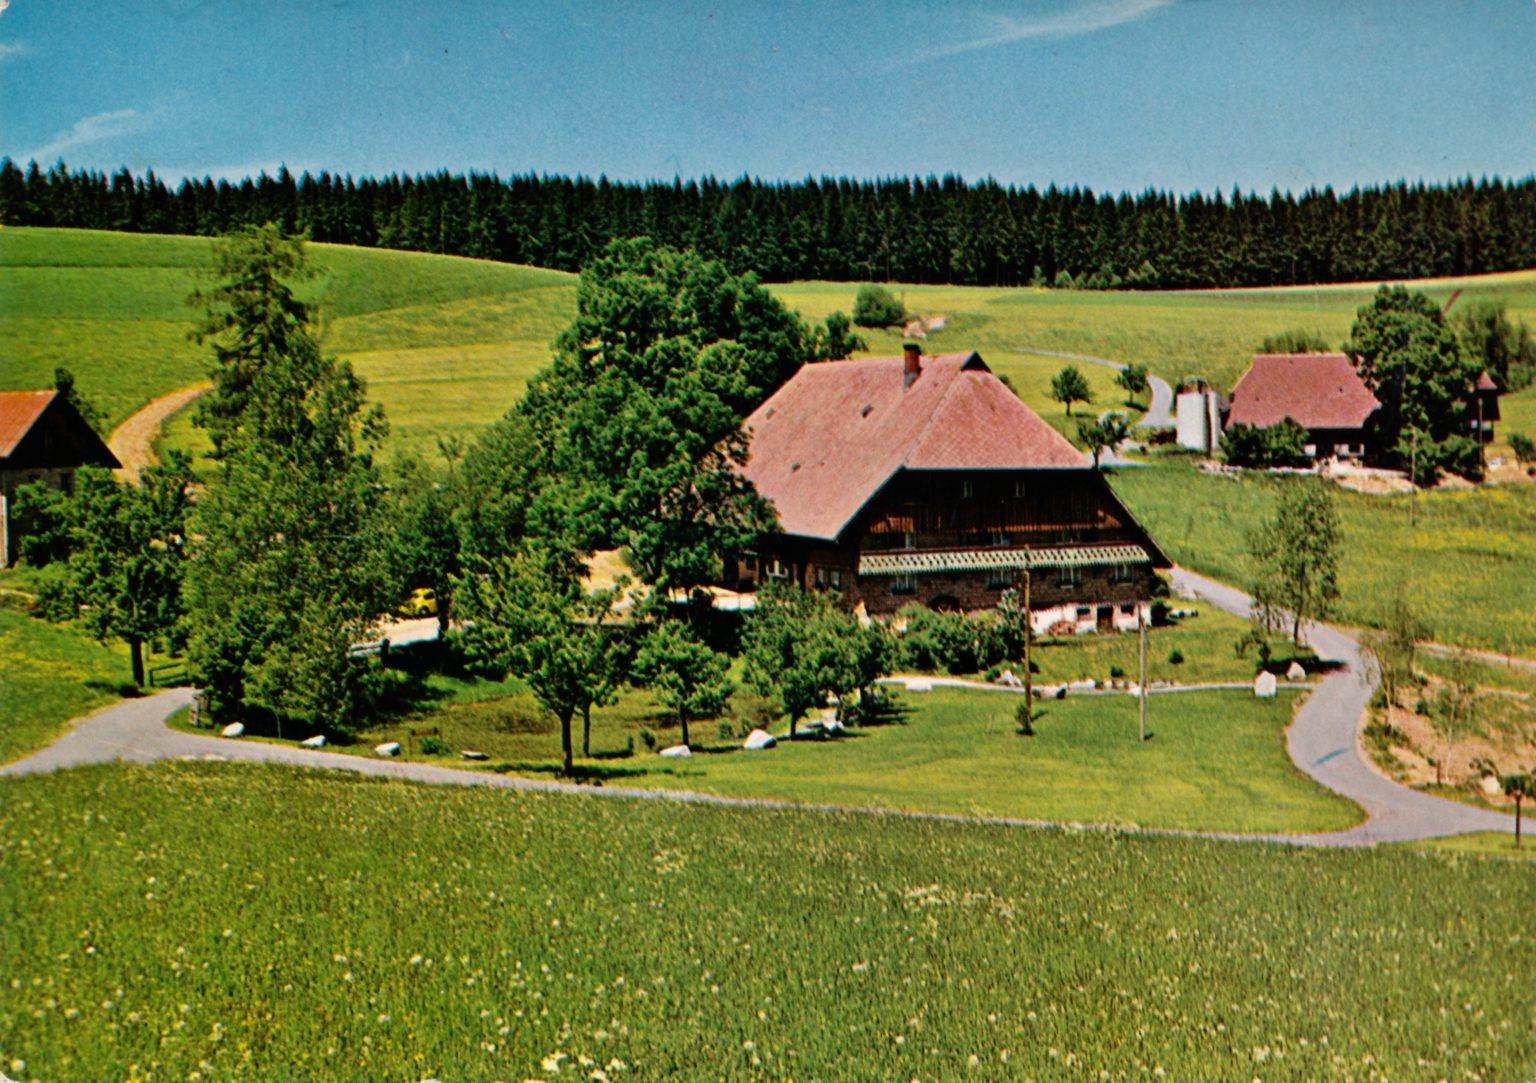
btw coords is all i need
(1113, 94)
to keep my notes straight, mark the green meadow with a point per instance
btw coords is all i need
(446, 344)
(212, 921)
(1465, 562)
(50, 674)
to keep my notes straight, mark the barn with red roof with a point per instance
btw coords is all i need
(42, 438)
(1322, 392)
(925, 479)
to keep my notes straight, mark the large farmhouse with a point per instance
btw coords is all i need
(42, 438)
(925, 479)
(1322, 392)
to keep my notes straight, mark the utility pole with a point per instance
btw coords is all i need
(1141, 644)
(1029, 634)
(1413, 479)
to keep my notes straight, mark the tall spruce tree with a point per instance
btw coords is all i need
(289, 563)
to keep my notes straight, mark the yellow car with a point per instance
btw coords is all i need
(421, 603)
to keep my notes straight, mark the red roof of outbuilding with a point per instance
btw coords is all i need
(1485, 382)
(836, 432)
(19, 411)
(1316, 390)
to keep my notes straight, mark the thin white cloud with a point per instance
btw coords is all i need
(9, 50)
(92, 129)
(1082, 18)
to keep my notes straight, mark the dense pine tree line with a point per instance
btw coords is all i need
(909, 230)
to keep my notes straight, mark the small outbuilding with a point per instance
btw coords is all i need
(1322, 392)
(42, 438)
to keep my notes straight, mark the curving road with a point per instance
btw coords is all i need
(1322, 741)
(133, 441)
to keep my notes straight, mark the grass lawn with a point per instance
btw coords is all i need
(1206, 642)
(49, 675)
(1483, 843)
(1216, 761)
(243, 922)
(1467, 565)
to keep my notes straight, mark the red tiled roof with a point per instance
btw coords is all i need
(836, 432)
(19, 411)
(1317, 390)
(1485, 382)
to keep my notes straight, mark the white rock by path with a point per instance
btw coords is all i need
(234, 729)
(676, 752)
(1264, 685)
(758, 739)
(388, 748)
(1295, 672)
(317, 741)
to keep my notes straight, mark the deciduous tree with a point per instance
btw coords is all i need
(683, 672)
(1413, 362)
(1069, 386)
(525, 614)
(1105, 434)
(800, 649)
(1296, 558)
(121, 552)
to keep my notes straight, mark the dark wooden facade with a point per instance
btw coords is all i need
(957, 539)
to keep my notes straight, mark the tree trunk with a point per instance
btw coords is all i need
(586, 730)
(136, 652)
(682, 716)
(1296, 630)
(1517, 821)
(566, 759)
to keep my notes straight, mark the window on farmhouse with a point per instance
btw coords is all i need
(776, 569)
(904, 584)
(829, 578)
(967, 489)
(1069, 576)
(1121, 573)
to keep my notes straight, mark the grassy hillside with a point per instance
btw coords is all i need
(1209, 333)
(446, 344)
(239, 922)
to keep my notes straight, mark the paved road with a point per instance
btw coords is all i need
(1159, 413)
(1323, 742)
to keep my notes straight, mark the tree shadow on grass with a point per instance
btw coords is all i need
(883, 712)
(591, 774)
(123, 689)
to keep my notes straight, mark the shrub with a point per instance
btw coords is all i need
(1297, 341)
(728, 730)
(1116, 673)
(876, 307)
(1025, 717)
(433, 745)
(1160, 610)
(1281, 444)
(1523, 447)
(1176, 657)
(952, 642)
(648, 738)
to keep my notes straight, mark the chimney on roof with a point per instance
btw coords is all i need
(912, 363)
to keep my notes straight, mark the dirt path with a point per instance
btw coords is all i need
(133, 442)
